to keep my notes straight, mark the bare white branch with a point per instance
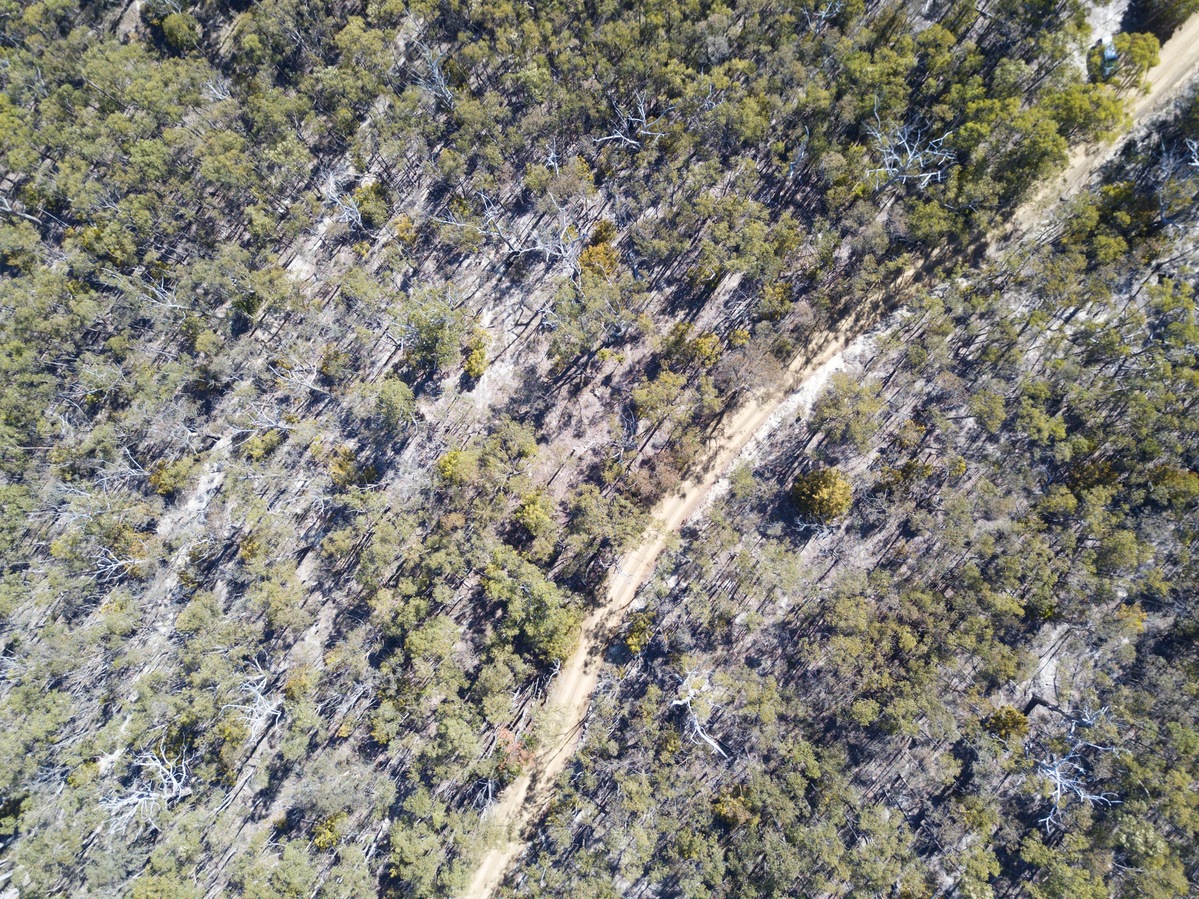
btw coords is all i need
(818, 18)
(558, 240)
(691, 687)
(348, 212)
(217, 89)
(908, 156)
(1068, 775)
(635, 123)
(256, 708)
(161, 781)
(433, 79)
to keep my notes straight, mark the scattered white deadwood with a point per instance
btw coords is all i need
(348, 212)
(433, 78)
(256, 708)
(693, 685)
(161, 780)
(908, 156)
(76, 505)
(1068, 775)
(1174, 177)
(818, 18)
(560, 239)
(635, 124)
(12, 671)
(217, 89)
(123, 473)
(298, 373)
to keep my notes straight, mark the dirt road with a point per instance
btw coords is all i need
(570, 694)
(520, 806)
(1178, 62)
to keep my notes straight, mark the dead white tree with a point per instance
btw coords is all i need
(485, 789)
(433, 78)
(818, 18)
(713, 99)
(7, 206)
(159, 294)
(161, 780)
(635, 123)
(801, 154)
(693, 686)
(217, 88)
(552, 159)
(624, 435)
(259, 418)
(1068, 775)
(256, 708)
(348, 212)
(908, 156)
(558, 240)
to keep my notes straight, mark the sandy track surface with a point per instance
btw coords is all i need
(1178, 63)
(570, 694)
(521, 805)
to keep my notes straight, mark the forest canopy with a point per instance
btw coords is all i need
(347, 348)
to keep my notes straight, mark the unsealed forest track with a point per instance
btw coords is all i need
(525, 800)
(1178, 62)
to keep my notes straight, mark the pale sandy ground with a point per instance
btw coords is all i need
(520, 805)
(1179, 58)
(570, 694)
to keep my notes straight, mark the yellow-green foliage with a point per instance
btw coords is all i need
(535, 514)
(327, 833)
(345, 470)
(775, 303)
(168, 478)
(641, 631)
(605, 232)
(600, 260)
(180, 30)
(372, 204)
(1007, 723)
(731, 810)
(258, 446)
(457, 467)
(476, 354)
(822, 494)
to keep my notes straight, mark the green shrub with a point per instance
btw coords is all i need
(1007, 723)
(180, 30)
(822, 494)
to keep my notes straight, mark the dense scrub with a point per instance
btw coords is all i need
(345, 345)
